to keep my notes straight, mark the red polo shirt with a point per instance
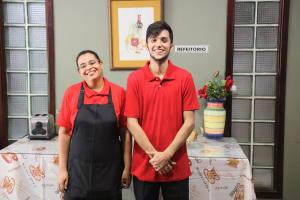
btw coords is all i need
(159, 105)
(68, 109)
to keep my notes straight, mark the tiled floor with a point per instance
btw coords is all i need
(127, 194)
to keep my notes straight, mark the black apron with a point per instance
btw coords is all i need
(95, 161)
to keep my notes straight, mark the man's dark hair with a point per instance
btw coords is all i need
(85, 52)
(156, 28)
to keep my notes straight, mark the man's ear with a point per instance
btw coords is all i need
(172, 47)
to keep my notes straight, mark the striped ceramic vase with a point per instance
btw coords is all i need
(214, 119)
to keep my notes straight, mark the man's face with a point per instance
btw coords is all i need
(159, 47)
(89, 67)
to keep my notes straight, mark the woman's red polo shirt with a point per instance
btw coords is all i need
(68, 109)
(159, 106)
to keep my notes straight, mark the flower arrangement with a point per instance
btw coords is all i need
(218, 88)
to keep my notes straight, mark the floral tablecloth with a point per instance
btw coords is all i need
(220, 171)
(28, 170)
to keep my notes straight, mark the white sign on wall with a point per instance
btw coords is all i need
(191, 48)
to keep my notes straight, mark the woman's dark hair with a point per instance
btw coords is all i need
(85, 52)
(156, 28)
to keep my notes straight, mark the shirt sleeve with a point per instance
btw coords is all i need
(64, 115)
(132, 104)
(190, 100)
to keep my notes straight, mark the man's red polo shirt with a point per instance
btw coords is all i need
(68, 109)
(159, 105)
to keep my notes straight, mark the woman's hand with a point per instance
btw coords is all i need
(63, 147)
(62, 180)
(126, 178)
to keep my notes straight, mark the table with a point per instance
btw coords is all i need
(220, 170)
(28, 170)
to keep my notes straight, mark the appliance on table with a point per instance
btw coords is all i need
(42, 127)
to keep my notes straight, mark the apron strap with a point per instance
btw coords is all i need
(109, 101)
(81, 97)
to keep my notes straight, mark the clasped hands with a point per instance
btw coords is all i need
(161, 161)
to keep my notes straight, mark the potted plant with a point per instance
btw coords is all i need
(215, 93)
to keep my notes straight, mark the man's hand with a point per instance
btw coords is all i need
(126, 178)
(167, 168)
(161, 161)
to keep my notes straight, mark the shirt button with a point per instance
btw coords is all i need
(159, 86)
(157, 79)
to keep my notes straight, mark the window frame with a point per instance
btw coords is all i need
(280, 93)
(3, 80)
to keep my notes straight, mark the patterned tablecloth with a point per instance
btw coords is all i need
(28, 170)
(220, 171)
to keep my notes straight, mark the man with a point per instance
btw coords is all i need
(160, 103)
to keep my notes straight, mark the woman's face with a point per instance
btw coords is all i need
(89, 67)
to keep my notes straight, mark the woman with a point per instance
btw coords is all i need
(91, 164)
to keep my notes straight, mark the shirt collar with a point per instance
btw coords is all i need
(90, 92)
(168, 76)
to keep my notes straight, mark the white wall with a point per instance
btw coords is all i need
(291, 178)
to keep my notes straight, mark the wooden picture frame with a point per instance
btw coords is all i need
(129, 20)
